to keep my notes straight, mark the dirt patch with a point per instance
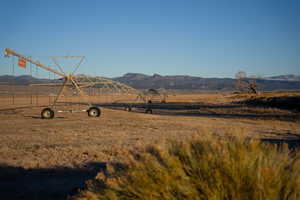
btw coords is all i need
(37, 154)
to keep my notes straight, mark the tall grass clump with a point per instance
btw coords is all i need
(209, 169)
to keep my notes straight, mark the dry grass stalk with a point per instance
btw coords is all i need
(226, 168)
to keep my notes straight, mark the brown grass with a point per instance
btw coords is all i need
(73, 140)
(206, 168)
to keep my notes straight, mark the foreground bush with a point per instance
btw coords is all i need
(211, 169)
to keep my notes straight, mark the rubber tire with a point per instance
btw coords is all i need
(47, 113)
(148, 110)
(94, 112)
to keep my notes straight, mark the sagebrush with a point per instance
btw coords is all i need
(208, 168)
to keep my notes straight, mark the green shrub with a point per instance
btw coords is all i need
(210, 169)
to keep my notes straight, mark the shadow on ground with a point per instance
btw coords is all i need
(39, 117)
(291, 139)
(200, 109)
(283, 102)
(46, 184)
(61, 183)
(234, 115)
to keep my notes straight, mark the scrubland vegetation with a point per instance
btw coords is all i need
(206, 168)
(60, 158)
(281, 100)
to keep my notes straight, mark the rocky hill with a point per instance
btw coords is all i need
(289, 77)
(142, 81)
(21, 80)
(178, 82)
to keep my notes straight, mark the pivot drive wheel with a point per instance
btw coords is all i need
(148, 110)
(128, 108)
(47, 113)
(94, 112)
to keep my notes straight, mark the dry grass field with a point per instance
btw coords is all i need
(51, 159)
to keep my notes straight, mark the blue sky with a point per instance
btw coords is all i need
(212, 38)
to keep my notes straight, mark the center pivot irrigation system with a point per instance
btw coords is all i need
(82, 85)
(77, 82)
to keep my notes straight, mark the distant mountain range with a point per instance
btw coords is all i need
(289, 77)
(142, 81)
(184, 82)
(21, 80)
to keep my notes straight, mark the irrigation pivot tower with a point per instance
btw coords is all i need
(68, 80)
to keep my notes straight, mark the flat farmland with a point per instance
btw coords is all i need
(43, 159)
